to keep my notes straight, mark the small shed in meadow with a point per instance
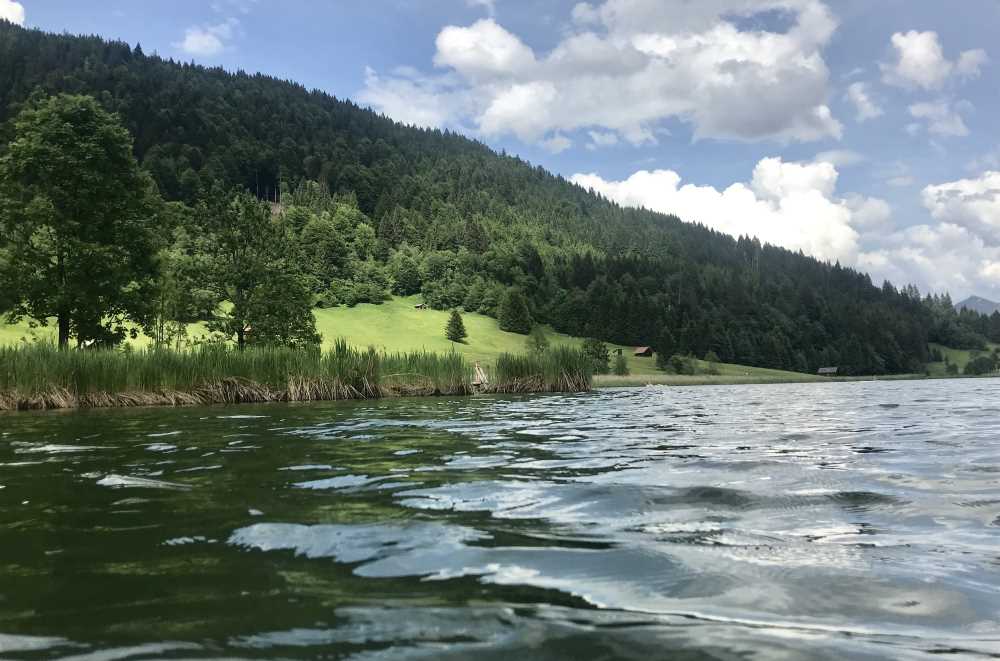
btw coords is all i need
(828, 371)
(420, 306)
(644, 352)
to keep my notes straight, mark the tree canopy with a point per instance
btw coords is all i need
(372, 207)
(77, 221)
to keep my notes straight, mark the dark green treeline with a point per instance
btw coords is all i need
(423, 211)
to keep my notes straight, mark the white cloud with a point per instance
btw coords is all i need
(920, 62)
(206, 41)
(959, 254)
(557, 143)
(940, 258)
(585, 13)
(970, 203)
(483, 50)
(940, 117)
(412, 99)
(971, 62)
(793, 205)
(12, 11)
(633, 64)
(869, 214)
(840, 158)
(489, 5)
(602, 139)
(857, 93)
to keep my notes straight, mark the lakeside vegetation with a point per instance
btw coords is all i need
(365, 208)
(42, 377)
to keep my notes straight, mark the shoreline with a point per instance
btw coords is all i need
(45, 378)
(683, 380)
(238, 391)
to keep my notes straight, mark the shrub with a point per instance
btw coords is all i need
(681, 364)
(600, 357)
(536, 342)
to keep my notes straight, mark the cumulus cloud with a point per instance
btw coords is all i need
(630, 65)
(482, 51)
(970, 203)
(940, 118)
(206, 41)
(959, 254)
(12, 11)
(793, 205)
(413, 99)
(857, 93)
(920, 62)
(941, 258)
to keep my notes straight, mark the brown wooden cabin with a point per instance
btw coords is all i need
(828, 371)
(643, 352)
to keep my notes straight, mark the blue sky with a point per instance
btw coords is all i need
(859, 131)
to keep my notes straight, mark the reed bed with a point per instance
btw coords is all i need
(559, 369)
(42, 377)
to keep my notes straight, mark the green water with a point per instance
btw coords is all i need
(842, 520)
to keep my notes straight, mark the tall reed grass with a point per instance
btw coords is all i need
(42, 377)
(558, 369)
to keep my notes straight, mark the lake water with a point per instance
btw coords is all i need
(841, 520)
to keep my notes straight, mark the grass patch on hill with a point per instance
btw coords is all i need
(959, 357)
(398, 326)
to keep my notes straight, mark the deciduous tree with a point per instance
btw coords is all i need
(77, 220)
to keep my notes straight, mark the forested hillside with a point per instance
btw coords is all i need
(378, 208)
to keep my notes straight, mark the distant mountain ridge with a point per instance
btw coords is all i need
(978, 304)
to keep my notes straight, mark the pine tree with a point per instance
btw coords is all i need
(455, 330)
(514, 315)
(665, 347)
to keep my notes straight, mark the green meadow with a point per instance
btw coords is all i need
(399, 326)
(959, 357)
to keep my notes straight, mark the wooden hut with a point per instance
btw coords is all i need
(644, 352)
(828, 371)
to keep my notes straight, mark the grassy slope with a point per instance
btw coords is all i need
(12, 334)
(398, 326)
(958, 356)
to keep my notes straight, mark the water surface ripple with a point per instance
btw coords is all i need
(841, 520)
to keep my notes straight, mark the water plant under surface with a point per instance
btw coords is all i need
(42, 377)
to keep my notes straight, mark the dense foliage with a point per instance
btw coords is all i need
(76, 222)
(375, 208)
(455, 329)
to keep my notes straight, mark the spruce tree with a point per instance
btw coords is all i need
(455, 330)
(513, 314)
(665, 347)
